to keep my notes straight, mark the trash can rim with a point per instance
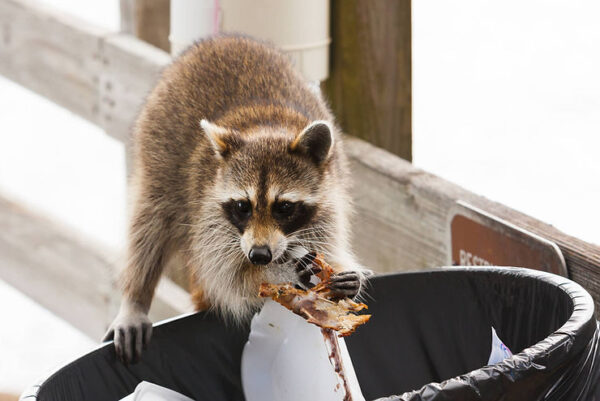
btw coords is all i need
(583, 303)
(581, 319)
(580, 325)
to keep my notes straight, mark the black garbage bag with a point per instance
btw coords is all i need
(428, 339)
(434, 327)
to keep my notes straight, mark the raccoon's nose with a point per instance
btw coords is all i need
(260, 255)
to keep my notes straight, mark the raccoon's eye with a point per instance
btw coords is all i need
(284, 209)
(242, 208)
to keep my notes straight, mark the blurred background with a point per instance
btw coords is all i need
(501, 98)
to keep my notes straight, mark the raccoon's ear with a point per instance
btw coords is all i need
(316, 141)
(223, 141)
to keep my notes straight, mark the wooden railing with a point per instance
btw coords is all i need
(402, 213)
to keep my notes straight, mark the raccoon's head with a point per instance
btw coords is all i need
(275, 195)
(270, 187)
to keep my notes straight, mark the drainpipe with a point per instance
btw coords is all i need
(299, 27)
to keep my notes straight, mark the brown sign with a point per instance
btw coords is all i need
(480, 239)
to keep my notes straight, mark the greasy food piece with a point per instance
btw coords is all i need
(326, 269)
(316, 304)
(313, 307)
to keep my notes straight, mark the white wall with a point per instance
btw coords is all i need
(507, 104)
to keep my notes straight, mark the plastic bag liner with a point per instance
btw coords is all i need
(429, 339)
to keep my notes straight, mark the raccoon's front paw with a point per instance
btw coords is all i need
(345, 284)
(306, 269)
(131, 332)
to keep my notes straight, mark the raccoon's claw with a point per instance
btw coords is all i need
(131, 334)
(345, 284)
(306, 269)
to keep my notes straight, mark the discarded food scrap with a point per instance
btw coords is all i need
(317, 305)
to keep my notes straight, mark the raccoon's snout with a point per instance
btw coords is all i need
(260, 255)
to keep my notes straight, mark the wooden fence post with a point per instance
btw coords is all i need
(148, 20)
(370, 83)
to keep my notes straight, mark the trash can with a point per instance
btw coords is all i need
(428, 339)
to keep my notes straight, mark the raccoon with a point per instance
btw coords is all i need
(238, 171)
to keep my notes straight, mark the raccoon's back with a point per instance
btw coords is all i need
(217, 76)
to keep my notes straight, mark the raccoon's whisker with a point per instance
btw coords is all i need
(220, 256)
(215, 243)
(304, 264)
(303, 230)
(210, 222)
(312, 243)
(314, 246)
(216, 246)
(216, 238)
(311, 238)
(228, 254)
(305, 238)
(220, 252)
(310, 230)
(223, 250)
(218, 233)
(219, 230)
(321, 251)
(314, 238)
(308, 234)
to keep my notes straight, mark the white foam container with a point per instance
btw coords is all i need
(286, 359)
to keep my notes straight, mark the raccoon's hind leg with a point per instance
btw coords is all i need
(199, 299)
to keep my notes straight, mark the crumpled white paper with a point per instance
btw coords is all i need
(499, 351)
(146, 391)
